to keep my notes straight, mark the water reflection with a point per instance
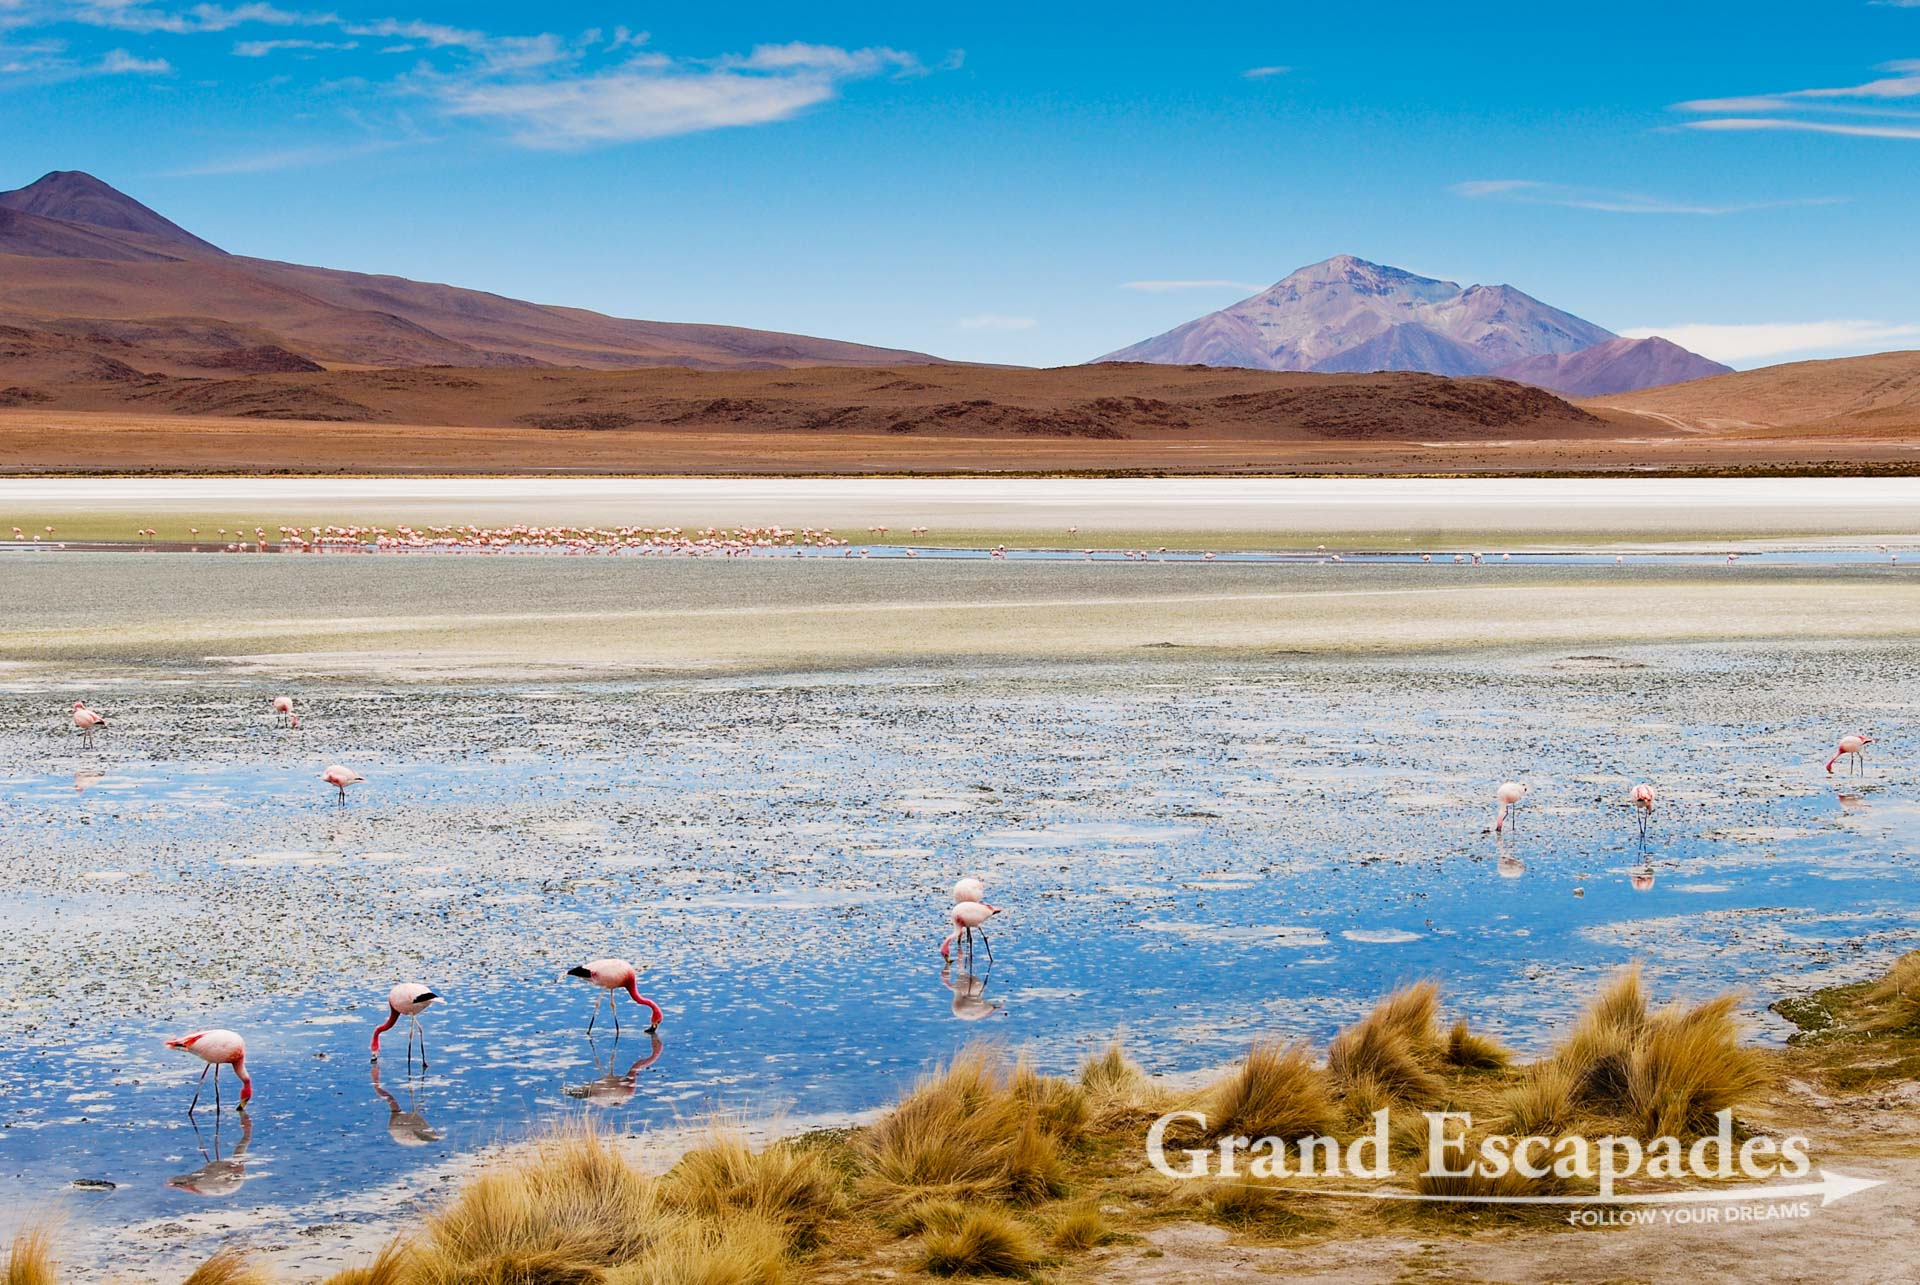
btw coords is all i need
(220, 1175)
(86, 778)
(970, 1002)
(614, 1087)
(408, 1128)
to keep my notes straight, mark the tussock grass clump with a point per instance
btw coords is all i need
(1599, 1054)
(742, 1249)
(1689, 1066)
(30, 1259)
(1477, 1183)
(228, 1267)
(970, 1131)
(575, 1204)
(1275, 1093)
(392, 1266)
(1543, 1102)
(985, 1242)
(1252, 1204)
(1896, 998)
(793, 1187)
(1394, 1050)
(1467, 1050)
(1117, 1091)
(1078, 1230)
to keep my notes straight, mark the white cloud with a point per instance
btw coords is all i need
(625, 107)
(119, 62)
(1164, 287)
(848, 63)
(1529, 192)
(1261, 73)
(262, 48)
(1735, 344)
(1810, 110)
(141, 16)
(1753, 123)
(990, 321)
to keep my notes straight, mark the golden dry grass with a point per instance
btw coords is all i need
(229, 1267)
(1392, 1054)
(1275, 1093)
(1897, 998)
(30, 1259)
(975, 1129)
(1688, 1066)
(983, 1242)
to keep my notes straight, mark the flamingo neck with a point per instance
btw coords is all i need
(393, 1015)
(246, 1081)
(946, 947)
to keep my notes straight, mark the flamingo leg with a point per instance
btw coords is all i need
(597, 1000)
(423, 1042)
(216, 1092)
(988, 943)
(197, 1086)
(613, 1006)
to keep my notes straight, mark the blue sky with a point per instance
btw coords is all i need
(1033, 183)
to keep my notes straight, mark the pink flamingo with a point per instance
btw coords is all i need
(969, 889)
(1850, 747)
(1508, 796)
(283, 708)
(87, 721)
(968, 916)
(217, 1049)
(408, 1000)
(1643, 805)
(614, 976)
(340, 778)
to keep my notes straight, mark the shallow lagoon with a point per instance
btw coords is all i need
(1192, 852)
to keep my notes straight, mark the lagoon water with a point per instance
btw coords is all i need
(1192, 853)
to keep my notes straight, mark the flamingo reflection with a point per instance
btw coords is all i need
(1642, 879)
(407, 1128)
(970, 1002)
(219, 1176)
(85, 779)
(614, 1088)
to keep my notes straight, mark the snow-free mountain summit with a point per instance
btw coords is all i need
(1347, 315)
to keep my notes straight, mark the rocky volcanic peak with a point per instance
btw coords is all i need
(1346, 314)
(73, 197)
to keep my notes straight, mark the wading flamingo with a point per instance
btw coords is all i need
(1850, 747)
(1643, 806)
(283, 708)
(87, 721)
(613, 976)
(408, 1000)
(969, 889)
(967, 917)
(217, 1049)
(340, 778)
(1508, 796)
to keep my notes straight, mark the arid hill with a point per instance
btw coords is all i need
(115, 280)
(1109, 402)
(1875, 396)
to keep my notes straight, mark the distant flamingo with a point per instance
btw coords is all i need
(966, 917)
(1643, 805)
(340, 778)
(614, 976)
(217, 1049)
(1508, 796)
(283, 708)
(87, 721)
(969, 889)
(408, 1000)
(1850, 747)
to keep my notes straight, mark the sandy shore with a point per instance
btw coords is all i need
(431, 619)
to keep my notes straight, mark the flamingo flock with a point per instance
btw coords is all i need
(967, 917)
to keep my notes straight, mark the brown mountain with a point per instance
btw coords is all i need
(96, 274)
(1860, 396)
(1616, 366)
